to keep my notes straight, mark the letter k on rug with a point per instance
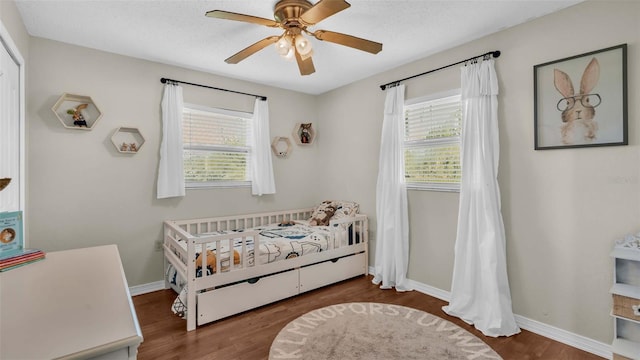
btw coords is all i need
(375, 331)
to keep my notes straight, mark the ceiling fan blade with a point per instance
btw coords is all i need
(251, 49)
(221, 14)
(322, 10)
(348, 40)
(306, 66)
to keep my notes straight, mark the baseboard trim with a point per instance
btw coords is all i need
(548, 331)
(565, 337)
(146, 288)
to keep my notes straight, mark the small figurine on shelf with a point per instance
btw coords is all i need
(78, 118)
(133, 147)
(124, 147)
(305, 135)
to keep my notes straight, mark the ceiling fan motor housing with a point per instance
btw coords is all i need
(288, 12)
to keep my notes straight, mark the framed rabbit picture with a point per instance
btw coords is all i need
(581, 101)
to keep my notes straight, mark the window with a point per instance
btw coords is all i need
(432, 142)
(217, 147)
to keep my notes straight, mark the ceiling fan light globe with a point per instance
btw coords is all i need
(303, 46)
(307, 55)
(289, 55)
(283, 46)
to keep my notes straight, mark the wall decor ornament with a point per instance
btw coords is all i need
(128, 140)
(581, 101)
(281, 146)
(4, 182)
(77, 111)
(304, 134)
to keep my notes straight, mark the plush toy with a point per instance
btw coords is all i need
(211, 260)
(305, 133)
(323, 214)
(287, 223)
(76, 114)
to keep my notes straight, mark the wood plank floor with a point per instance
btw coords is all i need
(248, 336)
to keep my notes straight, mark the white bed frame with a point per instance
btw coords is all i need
(242, 287)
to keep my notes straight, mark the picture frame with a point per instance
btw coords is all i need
(581, 101)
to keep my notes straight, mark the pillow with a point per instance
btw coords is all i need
(345, 209)
(322, 214)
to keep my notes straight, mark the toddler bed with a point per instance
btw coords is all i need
(255, 259)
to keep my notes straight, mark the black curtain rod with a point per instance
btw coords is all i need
(165, 80)
(495, 54)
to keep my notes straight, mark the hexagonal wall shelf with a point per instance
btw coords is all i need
(304, 134)
(281, 146)
(77, 111)
(127, 140)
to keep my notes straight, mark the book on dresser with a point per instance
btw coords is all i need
(626, 298)
(12, 251)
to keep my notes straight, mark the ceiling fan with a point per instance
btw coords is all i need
(295, 17)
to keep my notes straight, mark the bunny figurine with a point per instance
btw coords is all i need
(578, 110)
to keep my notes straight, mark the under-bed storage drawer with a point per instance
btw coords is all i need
(329, 272)
(233, 299)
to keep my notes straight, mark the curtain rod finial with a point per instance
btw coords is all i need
(163, 80)
(496, 53)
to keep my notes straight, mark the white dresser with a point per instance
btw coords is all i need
(74, 304)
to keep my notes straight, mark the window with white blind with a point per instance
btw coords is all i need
(217, 147)
(432, 142)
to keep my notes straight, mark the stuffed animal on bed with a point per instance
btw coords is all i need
(211, 260)
(323, 214)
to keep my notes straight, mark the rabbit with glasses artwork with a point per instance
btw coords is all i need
(578, 110)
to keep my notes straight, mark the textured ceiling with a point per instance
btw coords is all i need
(176, 32)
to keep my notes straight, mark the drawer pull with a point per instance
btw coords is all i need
(636, 310)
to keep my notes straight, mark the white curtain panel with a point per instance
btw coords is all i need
(392, 236)
(480, 292)
(262, 180)
(170, 171)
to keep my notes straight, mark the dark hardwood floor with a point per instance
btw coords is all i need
(248, 336)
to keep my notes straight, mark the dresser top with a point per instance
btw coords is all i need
(73, 303)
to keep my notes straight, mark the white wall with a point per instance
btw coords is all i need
(12, 21)
(563, 209)
(83, 192)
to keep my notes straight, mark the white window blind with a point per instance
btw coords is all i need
(216, 147)
(432, 143)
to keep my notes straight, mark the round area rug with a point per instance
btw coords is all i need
(375, 331)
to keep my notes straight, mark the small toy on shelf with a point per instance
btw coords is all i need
(78, 118)
(4, 183)
(124, 147)
(305, 136)
(133, 147)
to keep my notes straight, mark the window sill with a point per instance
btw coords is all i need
(217, 185)
(434, 187)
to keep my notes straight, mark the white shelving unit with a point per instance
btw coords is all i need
(626, 300)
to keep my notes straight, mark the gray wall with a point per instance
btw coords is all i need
(83, 192)
(562, 209)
